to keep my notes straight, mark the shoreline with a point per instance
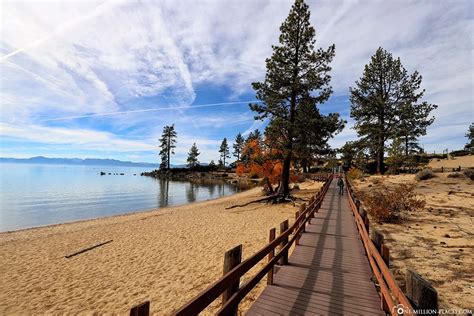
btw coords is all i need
(165, 256)
(128, 213)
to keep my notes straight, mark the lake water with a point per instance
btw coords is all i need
(36, 195)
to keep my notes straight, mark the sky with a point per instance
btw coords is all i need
(100, 79)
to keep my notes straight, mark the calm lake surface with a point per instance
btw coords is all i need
(36, 195)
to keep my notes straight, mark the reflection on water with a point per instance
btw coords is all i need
(164, 186)
(35, 195)
(195, 189)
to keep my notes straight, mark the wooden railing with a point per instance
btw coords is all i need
(285, 240)
(392, 298)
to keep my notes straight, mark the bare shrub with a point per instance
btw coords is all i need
(425, 174)
(376, 180)
(469, 173)
(387, 204)
(354, 173)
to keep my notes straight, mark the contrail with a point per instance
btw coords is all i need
(149, 110)
(61, 29)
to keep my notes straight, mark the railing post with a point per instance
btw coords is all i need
(377, 238)
(302, 211)
(297, 241)
(284, 258)
(366, 223)
(385, 253)
(141, 310)
(421, 292)
(232, 258)
(270, 256)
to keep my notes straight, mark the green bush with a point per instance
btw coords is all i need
(425, 174)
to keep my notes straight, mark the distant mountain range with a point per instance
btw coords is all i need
(78, 161)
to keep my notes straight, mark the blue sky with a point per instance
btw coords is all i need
(101, 79)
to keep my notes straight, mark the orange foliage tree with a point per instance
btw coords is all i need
(261, 161)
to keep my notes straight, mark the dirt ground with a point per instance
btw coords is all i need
(437, 242)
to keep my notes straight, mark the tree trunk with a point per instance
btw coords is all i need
(169, 154)
(284, 189)
(304, 165)
(268, 188)
(406, 145)
(380, 152)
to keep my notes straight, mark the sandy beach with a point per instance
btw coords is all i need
(166, 256)
(437, 241)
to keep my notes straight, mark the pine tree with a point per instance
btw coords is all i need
(470, 136)
(312, 133)
(256, 134)
(224, 151)
(296, 73)
(395, 155)
(167, 145)
(193, 156)
(212, 165)
(384, 103)
(413, 121)
(354, 153)
(238, 146)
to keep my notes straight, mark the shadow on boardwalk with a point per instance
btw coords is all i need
(328, 272)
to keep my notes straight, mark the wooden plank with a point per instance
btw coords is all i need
(328, 272)
(319, 303)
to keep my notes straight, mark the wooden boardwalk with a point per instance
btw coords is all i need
(328, 272)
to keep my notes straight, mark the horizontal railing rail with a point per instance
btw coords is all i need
(209, 295)
(391, 295)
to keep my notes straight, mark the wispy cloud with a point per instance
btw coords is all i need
(111, 74)
(179, 107)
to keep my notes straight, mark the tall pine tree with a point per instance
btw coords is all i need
(296, 73)
(167, 145)
(224, 151)
(238, 146)
(193, 156)
(312, 133)
(384, 104)
(413, 121)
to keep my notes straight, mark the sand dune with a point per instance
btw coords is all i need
(166, 256)
(464, 162)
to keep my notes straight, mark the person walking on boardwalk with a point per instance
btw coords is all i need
(340, 183)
